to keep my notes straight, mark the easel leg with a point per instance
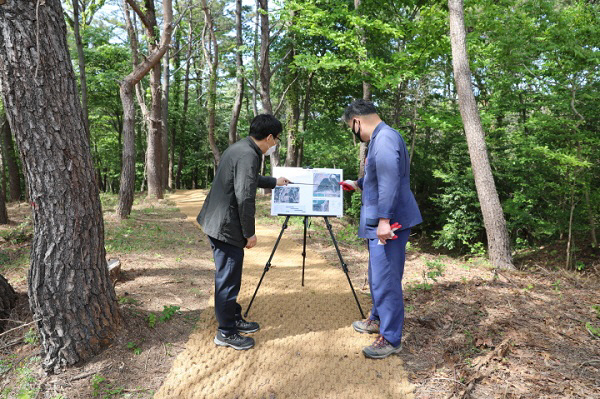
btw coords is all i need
(268, 265)
(344, 265)
(304, 248)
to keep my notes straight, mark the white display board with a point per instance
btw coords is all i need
(313, 192)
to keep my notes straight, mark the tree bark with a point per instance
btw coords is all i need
(3, 212)
(154, 163)
(239, 74)
(186, 102)
(493, 218)
(265, 68)
(165, 122)
(81, 60)
(255, 57)
(362, 153)
(70, 291)
(8, 300)
(128, 84)
(10, 159)
(211, 55)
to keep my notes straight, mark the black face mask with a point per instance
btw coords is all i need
(356, 133)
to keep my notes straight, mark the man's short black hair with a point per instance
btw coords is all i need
(359, 107)
(264, 124)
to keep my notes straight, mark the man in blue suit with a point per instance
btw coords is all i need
(386, 202)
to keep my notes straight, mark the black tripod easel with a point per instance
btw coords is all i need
(268, 265)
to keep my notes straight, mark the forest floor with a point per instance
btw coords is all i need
(469, 332)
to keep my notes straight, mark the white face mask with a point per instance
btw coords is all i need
(270, 151)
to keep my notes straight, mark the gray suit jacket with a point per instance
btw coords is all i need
(228, 211)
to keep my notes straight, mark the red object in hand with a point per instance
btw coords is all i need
(396, 226)
(347, 186)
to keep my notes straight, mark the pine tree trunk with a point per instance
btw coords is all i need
(127, 186)
(239, 74)
(3, 212)
(81, 60)
(154, 150)
(8, 299)
(493, 218)
(265, 70)
(70, 291)
(211, 55)
(10, 159)
(165, 123)
(128, 85)
(265, 67)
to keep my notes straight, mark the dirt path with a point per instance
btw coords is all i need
(306, 347)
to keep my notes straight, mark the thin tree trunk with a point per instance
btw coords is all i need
(306, 113)
(568, 260)
(81, 60)
(128, 84)
(10, 159)
(70, 291)
(265, 69)
(176, 101)
(293, 102)
(183, 124)
(239, 74)
(3, 213)
(154, 151)
(256, 62)
(493, 218)
(165, 122)
(211, 55)
(362, 153)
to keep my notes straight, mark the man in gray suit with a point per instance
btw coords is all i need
(227, 218)
(387, 203)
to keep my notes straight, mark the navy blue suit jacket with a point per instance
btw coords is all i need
(386, 185)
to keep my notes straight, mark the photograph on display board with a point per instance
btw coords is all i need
(326, 185)
(286, 195)
(321, 206)
(310, 192)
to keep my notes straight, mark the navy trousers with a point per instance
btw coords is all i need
(386, 268)
(228, 280)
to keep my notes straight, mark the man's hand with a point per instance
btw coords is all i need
(384, 231)
(251, 242)
(282, 181)
(349, 185)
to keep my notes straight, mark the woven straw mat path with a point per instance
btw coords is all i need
(306, 347)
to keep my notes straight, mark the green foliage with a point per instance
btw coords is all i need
(435, 269)
(101, 387)
(27, 384)
(32, 337)
(151, 319)
(125, 300)
(168, 312)
(536, 82)
(593, 330)
(596, 308)
(134, 348)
